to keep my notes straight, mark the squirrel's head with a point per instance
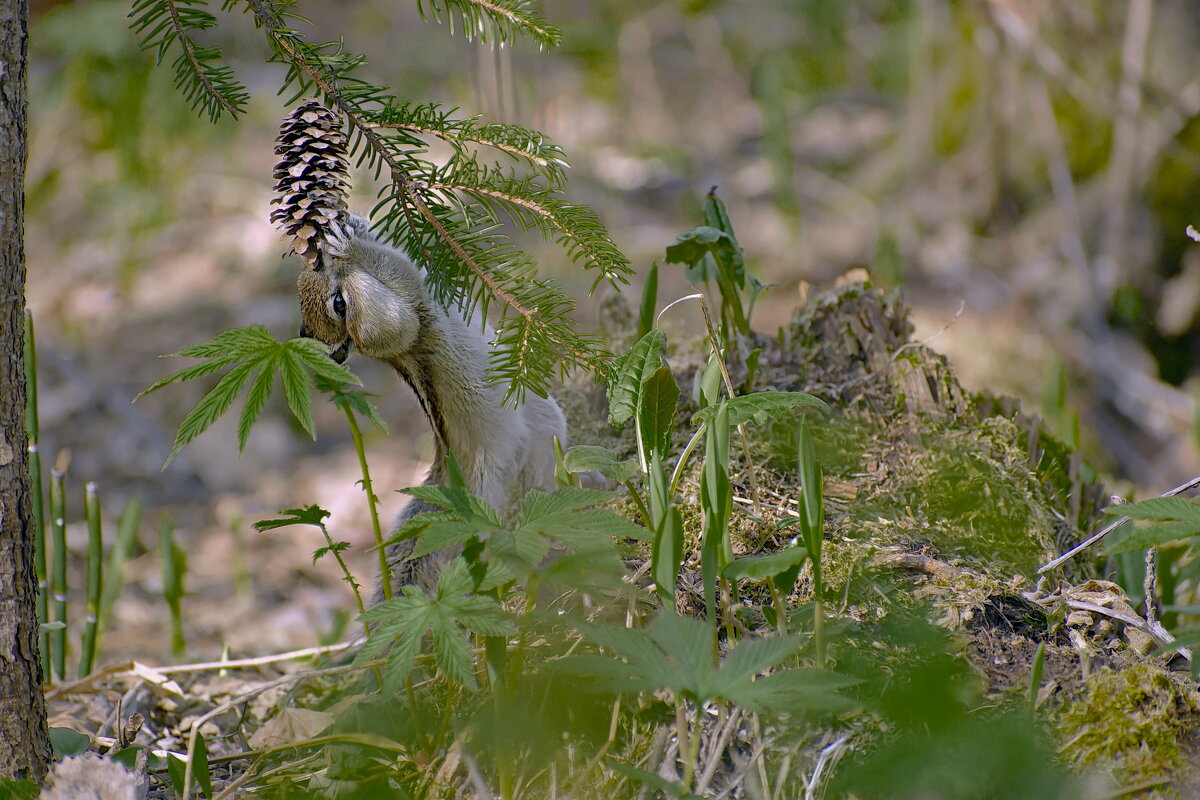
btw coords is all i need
(360, 292)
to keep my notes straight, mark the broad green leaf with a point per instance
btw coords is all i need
(585, 458)
(344, 398)
(797, 691)
(750, 657)
(716, 499)
(1153, 536)
(482, 615)
(716, 215)
(629, 372)
(296, 385)
(709, 384)
(763, 567)
(211, 406)
(200, 766)
(1159, 509)
(649, 302)
(660, 398)
(760, 407)
(237, 340)
(309, 515)
(312, 353)
(667, 548)
(452, 652)
(23, 789)
(68, 741)
(440, 535)
(400, 662)
(539, 503)
(189, 373)
(688, 643)
(522, 547)
(256, 399)
(177, 772)
(587, 530)
(690, 247)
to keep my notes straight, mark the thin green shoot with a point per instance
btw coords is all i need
(95, 581)
(118, 556)
(385, 570)
(648, 302)
(174, 570)
(315, 516)
(58, 578)
(1035, 675)
(33, 430)
(812, 525)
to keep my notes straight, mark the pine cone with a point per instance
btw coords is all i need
(310, 180)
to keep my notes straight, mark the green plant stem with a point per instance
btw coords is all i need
(819, 631)
(122, 547)
(683, 457)
(385, 572)
(95, 554)
(693, 750)
(411, 693)
(58, 580)
(641, 504)
(174, 567)
(33, 430)
(778, 600)
(741, 428)
(346, 574)
(683, 737)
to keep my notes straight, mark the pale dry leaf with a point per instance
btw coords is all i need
(289, 726)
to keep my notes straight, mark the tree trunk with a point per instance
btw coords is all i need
(24, 746)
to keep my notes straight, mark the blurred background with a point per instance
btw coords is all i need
(1024, 170)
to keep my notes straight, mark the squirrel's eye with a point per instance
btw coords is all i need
(339, 304)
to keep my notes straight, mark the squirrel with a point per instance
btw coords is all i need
(364, 294)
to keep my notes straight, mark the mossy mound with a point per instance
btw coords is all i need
(937, 501)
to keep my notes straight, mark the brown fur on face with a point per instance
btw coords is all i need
(317, 320)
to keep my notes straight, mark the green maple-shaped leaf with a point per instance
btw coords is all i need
(566, 515)
(407, 621)
(675, 653)
(1172, 519)
(345, 397)
(760, 407)
(254, 356)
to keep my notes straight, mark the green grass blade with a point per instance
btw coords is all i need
(58, 578)
(122, 548)
(94, 585)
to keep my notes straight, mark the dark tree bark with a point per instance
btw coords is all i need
(24, 746)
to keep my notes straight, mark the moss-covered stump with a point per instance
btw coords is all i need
(942, 503)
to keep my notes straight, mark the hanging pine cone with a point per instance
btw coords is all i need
(310, 180)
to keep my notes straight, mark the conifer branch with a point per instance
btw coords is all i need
(206, 85)
(504, 16)
(430, 208)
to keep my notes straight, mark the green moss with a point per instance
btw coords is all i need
(1139, 723)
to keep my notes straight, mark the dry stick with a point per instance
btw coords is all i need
(1091, 540)
(237, 783)
(828, 758)
(129, 667)
(1148, 584)
(710, 769)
